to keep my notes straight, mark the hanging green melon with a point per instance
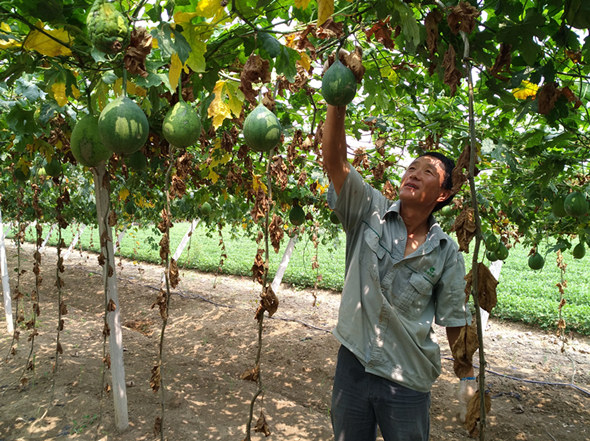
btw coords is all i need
(137, 161)
(536, 261)
(108, 30)
(182, 126)
(338, 84)
(262, 129)
(123, 126)
(575, 204)
(86, 144)
(297, 215)
(53, 168)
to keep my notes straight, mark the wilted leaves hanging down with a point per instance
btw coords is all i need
(452, 75)
(548, 95)
(156, 378)
(276, 232)
(473, 413)
(463, 350)
(173, 275)
(137, 51)
(431, 24)
(251, 374)
(486, 287)
(258, 266)
(503, 60)
(382, 31)
(256, 70)
(465, 228)
(462, 18)
(268, 302)
(261, 425)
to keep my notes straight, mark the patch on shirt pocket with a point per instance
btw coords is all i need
(415, 295)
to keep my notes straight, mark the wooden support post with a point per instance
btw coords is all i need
(119, 390)
(276, 283)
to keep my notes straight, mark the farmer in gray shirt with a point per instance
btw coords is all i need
(402, 274)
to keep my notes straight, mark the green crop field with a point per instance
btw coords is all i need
(524, 295)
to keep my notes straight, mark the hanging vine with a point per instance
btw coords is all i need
(62, 201)
(36, 311)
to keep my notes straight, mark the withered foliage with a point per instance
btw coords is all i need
(329, 29)
(162, 304)
(452, 76)
(173, 274)
(431, 22)
(502, 63)
(548, 95)
(463, 350)
(261, 205)
(256, 70)
(276, 232)
(164, 247)
(389, 191)
(258, 266)
(156, 378)
(361, 159)
(166, 222)
(261, 425)
(139, 48)
(461, 170)
(462, 18)
(177, 187)
(279, 171)
(486, 287)
(465, 228)
(184, 165)
(382, 32)
(251, 374)
(474, 413)
(269, 302)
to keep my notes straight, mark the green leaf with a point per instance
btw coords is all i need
(285, 63)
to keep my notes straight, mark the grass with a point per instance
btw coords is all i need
(524, 295)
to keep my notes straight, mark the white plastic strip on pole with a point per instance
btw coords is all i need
(74, 242)
(284, 263)
(182, 245)
(5, 281)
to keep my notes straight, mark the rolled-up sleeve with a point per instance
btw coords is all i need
(451, 309)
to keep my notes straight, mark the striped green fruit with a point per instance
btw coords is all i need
(262, 129)
(86, 144)
(181, 126)
(123, 126)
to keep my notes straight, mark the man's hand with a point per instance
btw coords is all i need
(467, 389)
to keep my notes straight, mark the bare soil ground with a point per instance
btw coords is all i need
(538, 392)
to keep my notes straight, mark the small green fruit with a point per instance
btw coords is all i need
(492, 242)
(575, 204)
(86, 144)
(296, 215)
(123, 127)
(491, 256)
(338, 84)
(181, 126)
(502, 252)
(579, 251)
(262, 129)
(205, 209)
(53, 168)
(536, 261)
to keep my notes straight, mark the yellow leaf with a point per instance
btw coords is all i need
(184, 18)
(175, 71)
(304, 60)
(224, 194)
(45, 45)
(59, 93)
(123, 194)
(257, 183)
(5, 27)
(209, 8)
(301, 4)
(228, 99)
(325, 10)
(75, 91)
(528, 89)
(212, 176)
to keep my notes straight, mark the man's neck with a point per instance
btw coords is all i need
(415, 219)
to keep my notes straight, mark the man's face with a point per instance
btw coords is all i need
(422, 183)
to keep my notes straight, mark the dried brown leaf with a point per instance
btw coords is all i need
(251, 374)
(256, 70)
(258, 266)
(462, 18)
(486, 287)
(431, 24)
(463, 350)
(382, 32)
(452, 76)
(547, 97)
(156, 378)
(268, 302)
(474, 413)
(503, 60)
(261, 425)
(276, 232)
(464, 227)
(136, 53)
(173, 274)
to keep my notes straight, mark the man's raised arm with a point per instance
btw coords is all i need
(334, 146)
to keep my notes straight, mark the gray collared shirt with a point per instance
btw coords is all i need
(389, 301)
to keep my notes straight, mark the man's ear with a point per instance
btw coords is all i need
(444, 195)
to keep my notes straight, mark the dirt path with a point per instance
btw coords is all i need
(211, 340)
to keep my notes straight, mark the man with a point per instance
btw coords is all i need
(402, 272)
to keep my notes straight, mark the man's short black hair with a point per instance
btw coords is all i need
(449, 166)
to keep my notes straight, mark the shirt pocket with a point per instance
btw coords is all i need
(412, 297)
(372, 253)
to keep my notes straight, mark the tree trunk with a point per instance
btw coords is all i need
(114, 313)
(5, 281)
